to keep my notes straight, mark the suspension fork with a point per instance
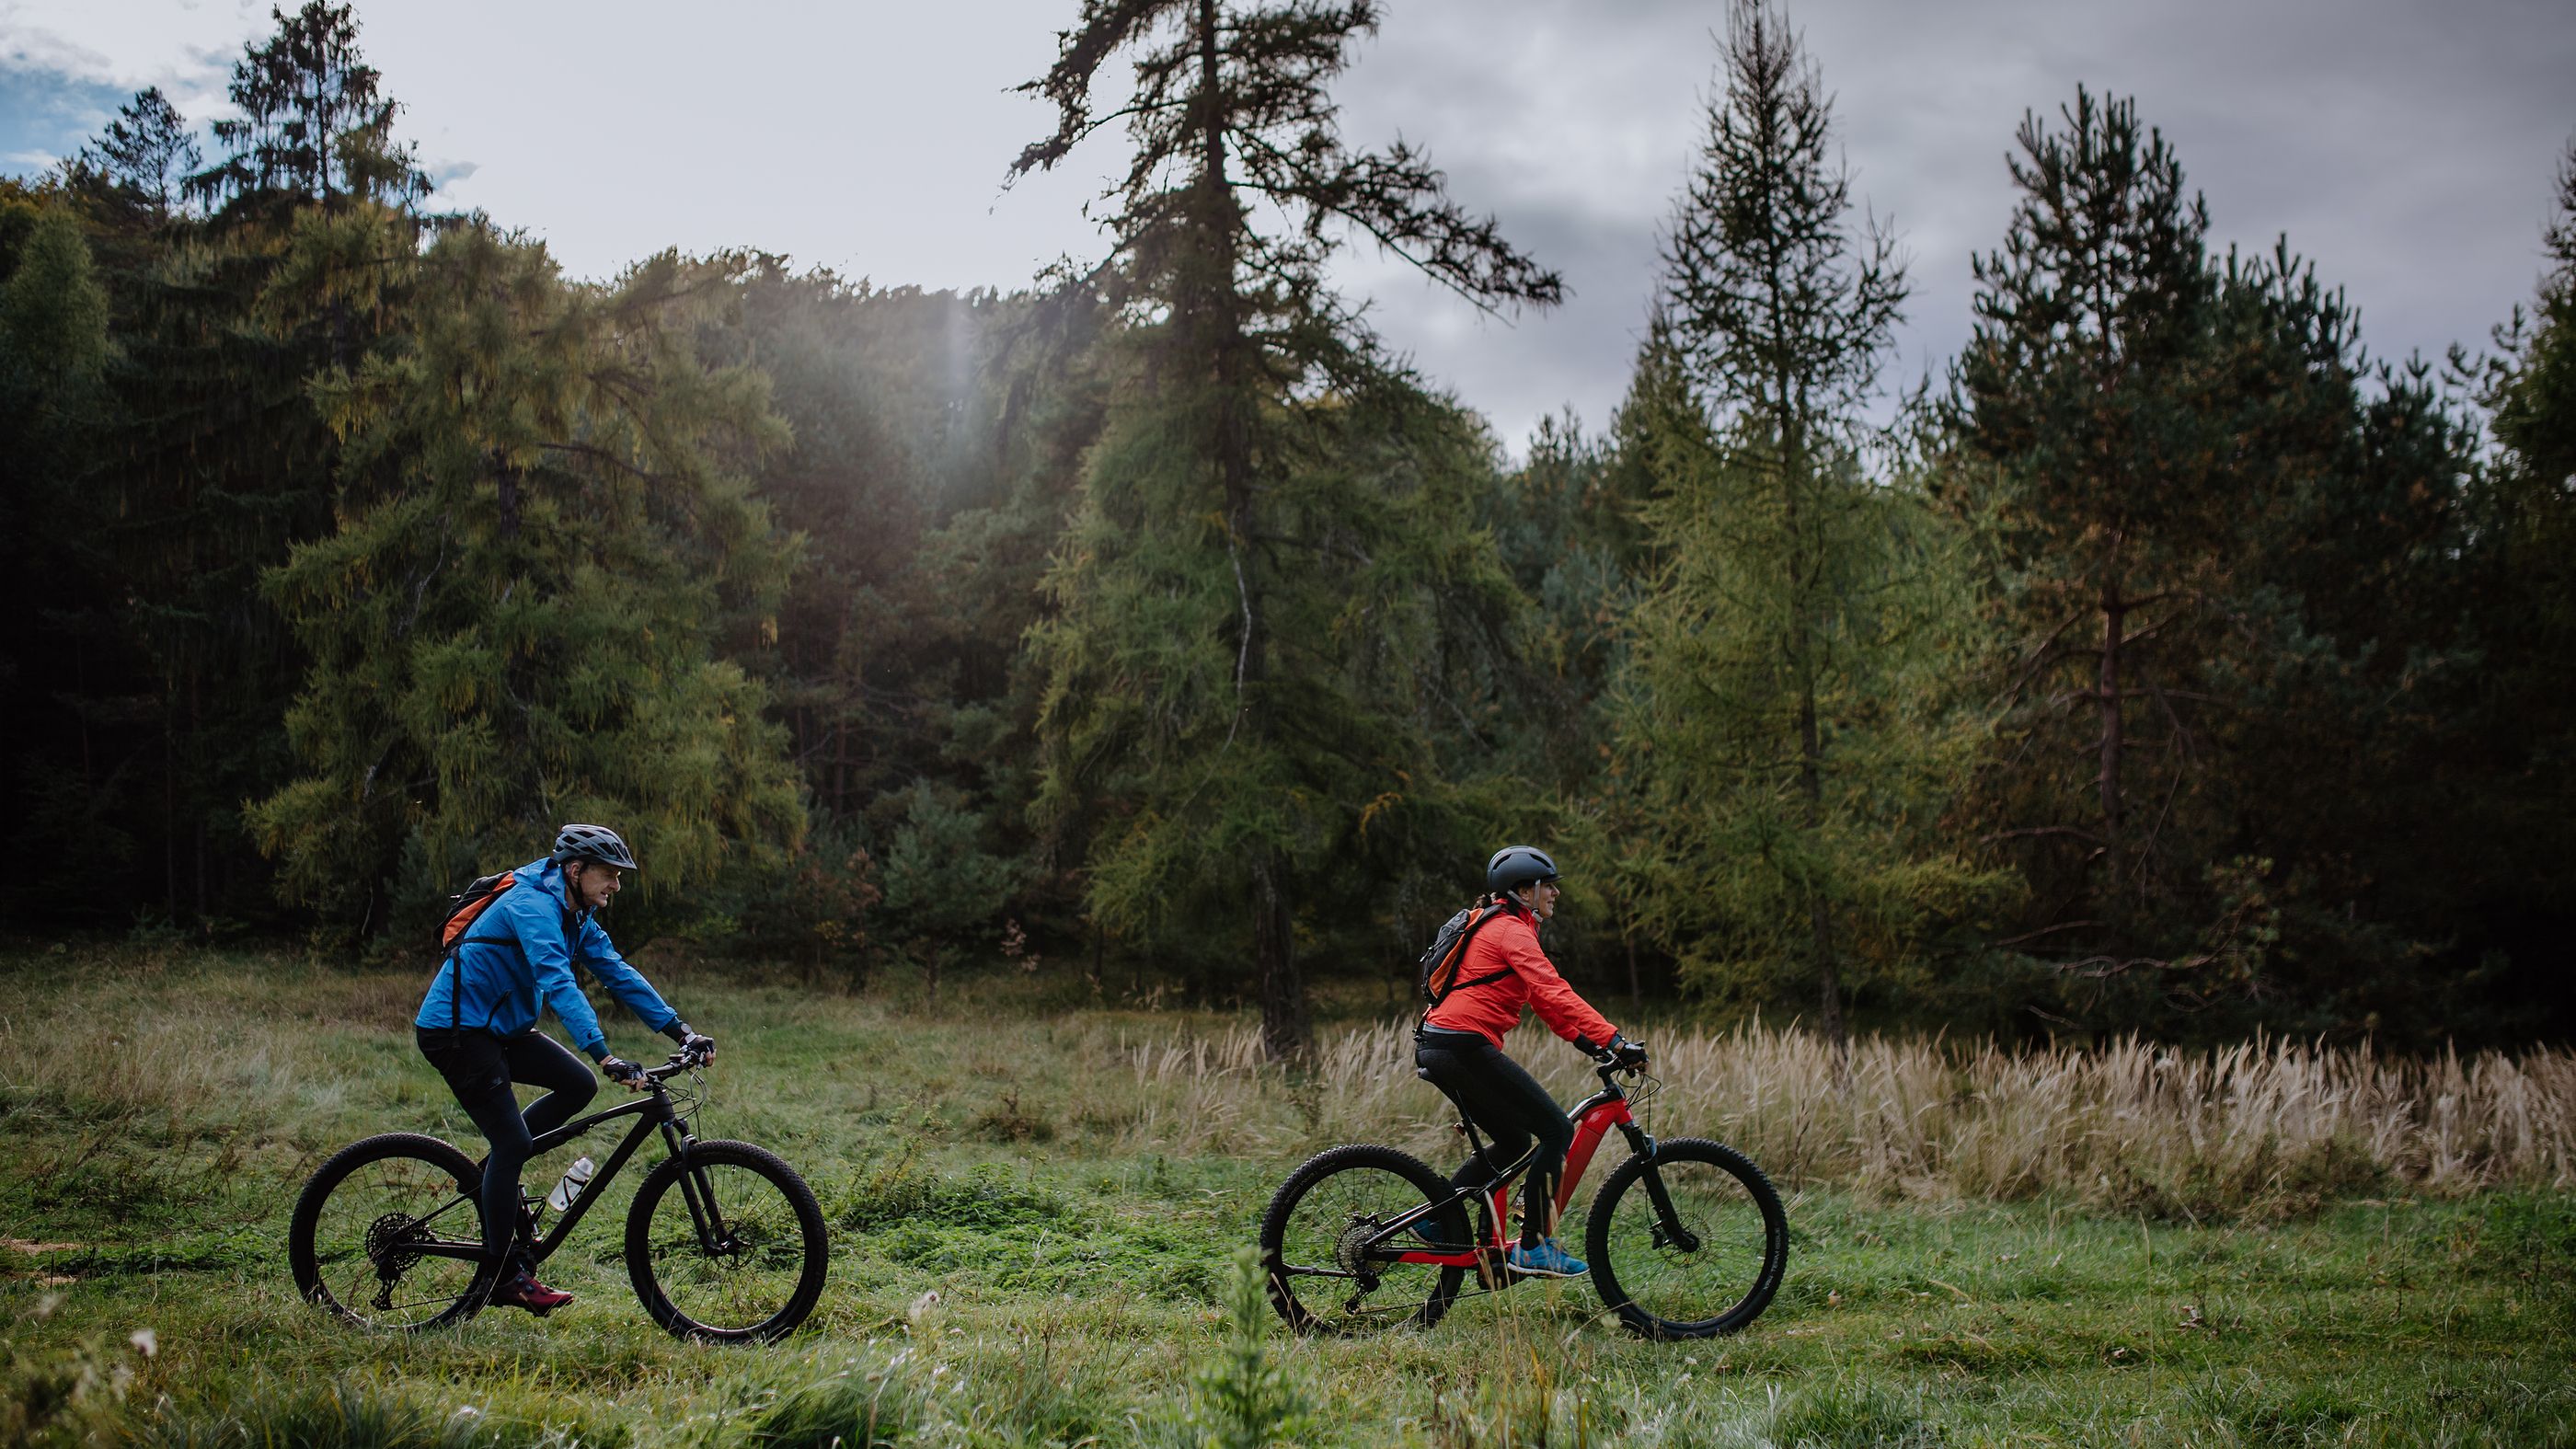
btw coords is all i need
(700, 1195)
(1667, 1221)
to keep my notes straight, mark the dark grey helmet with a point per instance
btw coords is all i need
(1515, 866)
(593, 842)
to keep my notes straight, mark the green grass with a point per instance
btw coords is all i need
(1029, 1249)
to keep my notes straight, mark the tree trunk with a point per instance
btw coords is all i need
(509, 500)
(1811, 749)
(170, 805)
(1286, 1034)
(197, 731)
(1636, 997)
(2114, 619)
(1820, 925)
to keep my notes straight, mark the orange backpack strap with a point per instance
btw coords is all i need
(470, 906)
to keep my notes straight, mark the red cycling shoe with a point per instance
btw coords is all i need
(524, 1291)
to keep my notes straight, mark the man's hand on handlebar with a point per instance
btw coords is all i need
(618, 1069)
(696, 1046)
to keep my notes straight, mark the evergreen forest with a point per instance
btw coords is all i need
(2170, 665)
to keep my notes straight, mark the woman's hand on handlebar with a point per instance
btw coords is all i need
(1622, 1054)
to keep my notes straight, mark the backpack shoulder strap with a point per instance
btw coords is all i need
(1466, 936)
(456, 965)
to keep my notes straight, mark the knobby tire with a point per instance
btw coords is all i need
(1313, 1223)
(1724, 1278)
(766, 1282)
(345, 1241)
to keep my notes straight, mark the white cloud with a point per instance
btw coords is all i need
(131, 43)
(2409, 148)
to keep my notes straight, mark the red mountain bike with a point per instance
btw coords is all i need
(1687, 1238)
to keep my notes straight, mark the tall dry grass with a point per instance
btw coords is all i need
(273, 1051)
(2264, 1127)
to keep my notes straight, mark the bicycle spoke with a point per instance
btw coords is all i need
(371, 1251)
(750, 1269)
(1335, 1261)
(1708, 1264)
(1297, 1270)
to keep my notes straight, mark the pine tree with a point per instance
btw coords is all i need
(2531, 386)
(2508, 784)
(2079, 398)
(1783, 647)
(2331, 681)
(543, 527)
(59, 841)
(2199, 513)
(210, 465)
(313, 125)
(1260, 522)
(147, 149)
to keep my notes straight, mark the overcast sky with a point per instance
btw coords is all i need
(2408, 147)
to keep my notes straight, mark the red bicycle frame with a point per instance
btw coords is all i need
(1593, 1118)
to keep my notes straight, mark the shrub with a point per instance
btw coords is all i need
(1245, 1398)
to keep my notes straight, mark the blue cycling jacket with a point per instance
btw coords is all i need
(494, 985)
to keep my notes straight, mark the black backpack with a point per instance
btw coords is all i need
(1438, 975)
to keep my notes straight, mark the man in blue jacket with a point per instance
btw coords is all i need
(478, 1025)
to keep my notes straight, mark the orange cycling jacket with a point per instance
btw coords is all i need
(1506, 948)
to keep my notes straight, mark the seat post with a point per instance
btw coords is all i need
(1466, 1123)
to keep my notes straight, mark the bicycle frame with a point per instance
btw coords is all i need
(653, 1112)
(1593, 1117)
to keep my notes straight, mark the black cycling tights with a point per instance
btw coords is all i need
(1512, 1108)
(479, 1068)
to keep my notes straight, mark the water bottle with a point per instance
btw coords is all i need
(575, 1178)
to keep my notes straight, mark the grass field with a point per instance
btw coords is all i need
(1037, 1201)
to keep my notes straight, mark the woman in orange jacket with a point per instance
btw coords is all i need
(1460, 1046)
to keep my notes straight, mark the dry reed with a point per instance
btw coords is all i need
(2264, 1128)
(2261, 1128)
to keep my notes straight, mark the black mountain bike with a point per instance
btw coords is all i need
(1687, 1238)
(724, 1241)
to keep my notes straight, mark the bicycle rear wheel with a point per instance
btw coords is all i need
(726, 1245)
(377, 1234)
(1331, 1266)
(1708, 1266)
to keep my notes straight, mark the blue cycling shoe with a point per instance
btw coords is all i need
(1546, 1260)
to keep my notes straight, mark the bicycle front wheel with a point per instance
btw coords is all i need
(389, 1234)
(1332, 1264)
(1701, 1256)
(726, 1245)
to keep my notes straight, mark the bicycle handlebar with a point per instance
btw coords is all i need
(679, 1062)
